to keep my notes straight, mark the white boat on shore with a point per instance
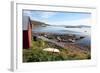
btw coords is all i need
(51, 50)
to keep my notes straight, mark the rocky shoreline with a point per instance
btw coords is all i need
(69, 40)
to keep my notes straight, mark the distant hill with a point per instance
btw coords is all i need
(38, 23)
(78, 26)
(70, 26)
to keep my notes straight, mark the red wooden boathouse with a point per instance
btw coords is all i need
(27, 32)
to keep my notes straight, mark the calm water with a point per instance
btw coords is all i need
(85, 31)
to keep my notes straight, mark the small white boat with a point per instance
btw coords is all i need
(51, 50)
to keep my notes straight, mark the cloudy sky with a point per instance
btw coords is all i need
(59, 18)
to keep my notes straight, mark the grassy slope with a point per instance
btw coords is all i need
(36, 53)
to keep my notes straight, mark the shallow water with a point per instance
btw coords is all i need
(85, 31)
